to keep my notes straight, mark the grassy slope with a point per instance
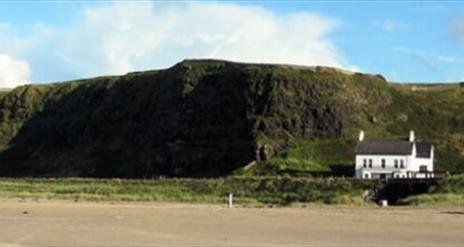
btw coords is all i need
(4, 92)
(437, 117)
(449, 192)
(390, 111)
(208, 118)
(271, 190)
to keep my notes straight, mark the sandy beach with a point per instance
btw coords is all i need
(63, 223)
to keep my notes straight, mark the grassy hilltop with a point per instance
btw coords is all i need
(206, 118)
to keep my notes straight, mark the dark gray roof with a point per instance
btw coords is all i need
(423, 150)
(384, 147)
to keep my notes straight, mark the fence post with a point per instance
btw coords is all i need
(231, 198)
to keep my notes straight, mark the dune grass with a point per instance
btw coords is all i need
(448, 192)
(247, 191)
(437, 199)
(281, 191)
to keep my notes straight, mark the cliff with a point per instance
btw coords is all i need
(204, 118)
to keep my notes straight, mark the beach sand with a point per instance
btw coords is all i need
(66, 223)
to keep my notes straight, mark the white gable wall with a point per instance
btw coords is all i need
(412, 159)
(424, 161)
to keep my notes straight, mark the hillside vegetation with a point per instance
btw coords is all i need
(448, 192)
(207, 118)
(247, 191)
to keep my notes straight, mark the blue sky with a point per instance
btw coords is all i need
(56, 41)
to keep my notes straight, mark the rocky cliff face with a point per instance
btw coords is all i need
(202, 118)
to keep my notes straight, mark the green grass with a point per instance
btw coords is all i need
(3, 93)
(270, 190)
(305, 157)
(453, 184)
(437, 199)
(448, 192)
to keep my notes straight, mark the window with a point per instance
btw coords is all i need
(402, 163)
(365, 163)
(396, 163)
(397, 176)
(383, 163)
(370, 163)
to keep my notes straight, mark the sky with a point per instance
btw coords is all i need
(405, 41)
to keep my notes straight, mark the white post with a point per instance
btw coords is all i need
(231, 198)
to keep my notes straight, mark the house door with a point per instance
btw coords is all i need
(423, 168)
(383, 176)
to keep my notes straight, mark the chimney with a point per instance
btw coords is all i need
(411, 136)
(361, 136)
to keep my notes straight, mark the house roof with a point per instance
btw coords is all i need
(384, 147)
(423, 150)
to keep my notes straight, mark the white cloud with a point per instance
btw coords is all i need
(121, 37)
(447, 59)
(4, 26)
(13, 72)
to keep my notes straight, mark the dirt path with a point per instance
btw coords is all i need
(54, 223)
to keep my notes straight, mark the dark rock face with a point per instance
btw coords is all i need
(135, 126)
(197, 119)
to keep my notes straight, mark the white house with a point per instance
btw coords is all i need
(393, 158)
